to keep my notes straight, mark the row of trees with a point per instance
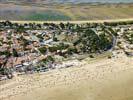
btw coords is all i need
(118, 23)
(68, 26)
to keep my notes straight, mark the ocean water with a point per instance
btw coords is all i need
(95, 1)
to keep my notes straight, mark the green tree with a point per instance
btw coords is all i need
(43, 50)
(15, 53)
(62, 26)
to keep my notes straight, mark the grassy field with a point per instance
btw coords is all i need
(65, 12)
(47, 15)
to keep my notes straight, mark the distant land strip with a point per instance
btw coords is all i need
(75, 22)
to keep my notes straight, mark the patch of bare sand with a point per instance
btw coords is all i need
(106, 79)
(116, 86)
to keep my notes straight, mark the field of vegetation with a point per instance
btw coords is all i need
(47, 15)
(65, 11)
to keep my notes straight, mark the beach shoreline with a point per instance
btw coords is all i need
(20, 87)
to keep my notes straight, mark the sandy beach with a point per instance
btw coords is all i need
(103, 79)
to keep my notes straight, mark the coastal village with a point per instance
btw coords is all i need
(66, 49)
(32, 48)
